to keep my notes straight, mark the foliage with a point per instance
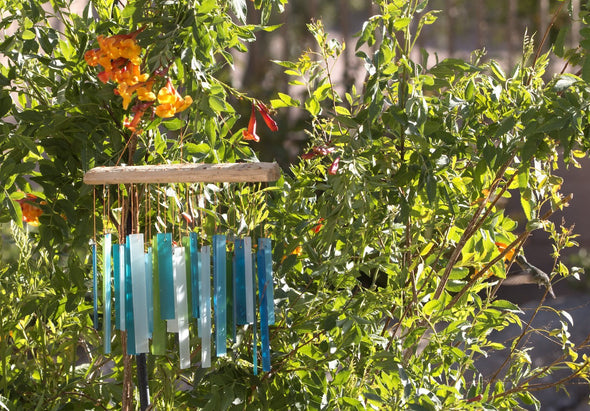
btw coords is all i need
(389, 240)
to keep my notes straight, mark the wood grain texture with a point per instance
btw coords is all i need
(184, 173)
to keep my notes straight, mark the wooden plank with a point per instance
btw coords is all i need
(184, 173)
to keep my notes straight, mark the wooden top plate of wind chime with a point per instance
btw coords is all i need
(161, 289)
(184, 173)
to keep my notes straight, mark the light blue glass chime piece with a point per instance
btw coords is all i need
(180, 287)
(122, 294)
(106, 293)
(149, 290)
(117, 286)
(219, 296)
(205, 307)
(166, 276)
(94, 289)
(264, 287)
(129, 324)
(140, 307)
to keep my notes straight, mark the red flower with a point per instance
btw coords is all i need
(264, 112)
(317, 151)
(318, 226)
(250, 134)
(334, 167)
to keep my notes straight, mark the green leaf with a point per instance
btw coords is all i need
(558, 45)
(313, 106)
(174, 124)
(240, 8)
(13, 209)
(565, 81)
(432, 306)
(402, 23)
(506, 306)
(343, 111)
(497, 70)
(284, 100)
(193, 149)
(217, 104)
(5, 104)
(27, 35)
(470, 90)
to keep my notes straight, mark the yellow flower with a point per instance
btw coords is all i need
(183, 104)
(126, 92)
(145, 93)
(165, 110)
(171, 102)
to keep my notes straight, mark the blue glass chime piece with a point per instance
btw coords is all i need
(106, 293)
(265, 294)
(219, 296)
(149, 290)
(249, 275)
(240, 307)
(94, 288)
(205, 307)
(129, 324)
(122, 295)
(166, 276)
(138, 279)
(117, 286)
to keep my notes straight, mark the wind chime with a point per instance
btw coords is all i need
(160, 284)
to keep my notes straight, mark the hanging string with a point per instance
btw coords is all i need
(172, 211)
(136, 210)
(201, 207)
(146, 226)
(262, 227)
(124, 192)
(94, 215)
(105, 210)
(158, 211)
(149, 199)
(121, 219)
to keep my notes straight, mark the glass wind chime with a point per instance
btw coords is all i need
(160, 285)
